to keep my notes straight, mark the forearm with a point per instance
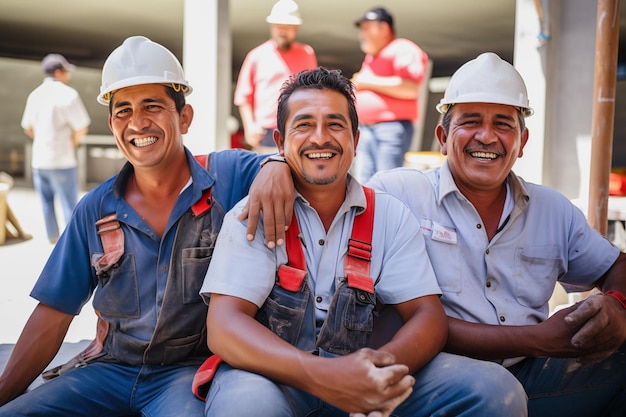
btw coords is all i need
(615, 278)
(392, 86)
(491, 342)
(38, 344)
(78, 135)
(422, 336)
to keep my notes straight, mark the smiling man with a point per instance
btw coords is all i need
(499, 245)
(140, 243)
(294, 324)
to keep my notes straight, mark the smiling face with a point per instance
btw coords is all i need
(483, 142)
(319, 144)
(146, 125)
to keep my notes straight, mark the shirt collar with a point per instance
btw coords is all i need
(515, 185)
(200, 177)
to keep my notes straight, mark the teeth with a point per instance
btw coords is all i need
(484, 155)
(141, 142)
(320, 155)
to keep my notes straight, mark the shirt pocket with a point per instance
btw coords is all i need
(118, 293)
(536, 271)
(445, 255)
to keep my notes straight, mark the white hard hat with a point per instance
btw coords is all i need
(284, 12)
(140, 61)
(486, 79)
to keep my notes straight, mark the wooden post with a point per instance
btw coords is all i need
(603, 112)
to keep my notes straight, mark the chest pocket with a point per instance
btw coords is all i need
(118, 293)
(536, 270)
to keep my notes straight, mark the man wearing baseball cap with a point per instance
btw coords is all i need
(387, 87)
(56, 120)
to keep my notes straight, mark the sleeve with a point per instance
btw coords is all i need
(68, 280)
(244, 90)
(77, 115)
(234, 171)
(240, 268)
(406, 271)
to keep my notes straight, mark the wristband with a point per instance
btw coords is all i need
(617, 295)
(273, 158)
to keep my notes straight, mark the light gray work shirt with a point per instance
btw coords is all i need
(509, 280)
(400, 267)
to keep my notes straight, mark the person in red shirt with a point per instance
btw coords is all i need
(263, 72)
(387, 87)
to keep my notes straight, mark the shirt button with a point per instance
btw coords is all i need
(487, 251)
(479, 226)
(318, 299)
(125, 215)
(488, 284)
(164, 268)
(502, 319)
(321, 242)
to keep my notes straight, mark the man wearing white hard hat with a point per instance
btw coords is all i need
(264, 70)
(499, 245)
(140, 243)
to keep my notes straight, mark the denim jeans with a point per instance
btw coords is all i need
(449, 385)
(381, 147)
(110, 389)
(56, 182)
(561, 387)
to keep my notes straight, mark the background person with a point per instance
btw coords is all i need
(56, 120)
(387, 90)
(499, 245)
(140, 242)
(263, 72)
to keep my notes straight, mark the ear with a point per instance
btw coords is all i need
(525, 135)
(442, 138)
(186, 116)
(356, 140)
(280, 142)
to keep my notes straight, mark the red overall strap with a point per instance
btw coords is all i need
(206, 201)
(357, 261)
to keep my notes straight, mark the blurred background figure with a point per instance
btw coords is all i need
(263, 72)
(56, 120)
(387, 87)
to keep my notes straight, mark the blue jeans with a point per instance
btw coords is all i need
(109, 389)
(61, 182)
(561, 387)
(449, 385)
(381, 147)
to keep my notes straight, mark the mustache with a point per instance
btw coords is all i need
(129, 133)
(326, 147)
(480, 147)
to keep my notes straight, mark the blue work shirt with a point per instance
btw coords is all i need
(68, 278)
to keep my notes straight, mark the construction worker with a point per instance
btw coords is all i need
(294, 324)
(140, 243)
(499, 245)
(264, 70)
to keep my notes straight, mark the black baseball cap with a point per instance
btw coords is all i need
(377, 14)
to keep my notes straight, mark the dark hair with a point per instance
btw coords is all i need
(445, 120)
(319, 78)
(177, 96)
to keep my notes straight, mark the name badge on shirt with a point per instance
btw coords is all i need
(443, 234)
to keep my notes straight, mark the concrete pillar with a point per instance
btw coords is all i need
(207, 62)
(560, 77)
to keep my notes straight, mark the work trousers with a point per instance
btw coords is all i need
(381, 147)
(109, 389)
(449, 385)
(56, 182)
